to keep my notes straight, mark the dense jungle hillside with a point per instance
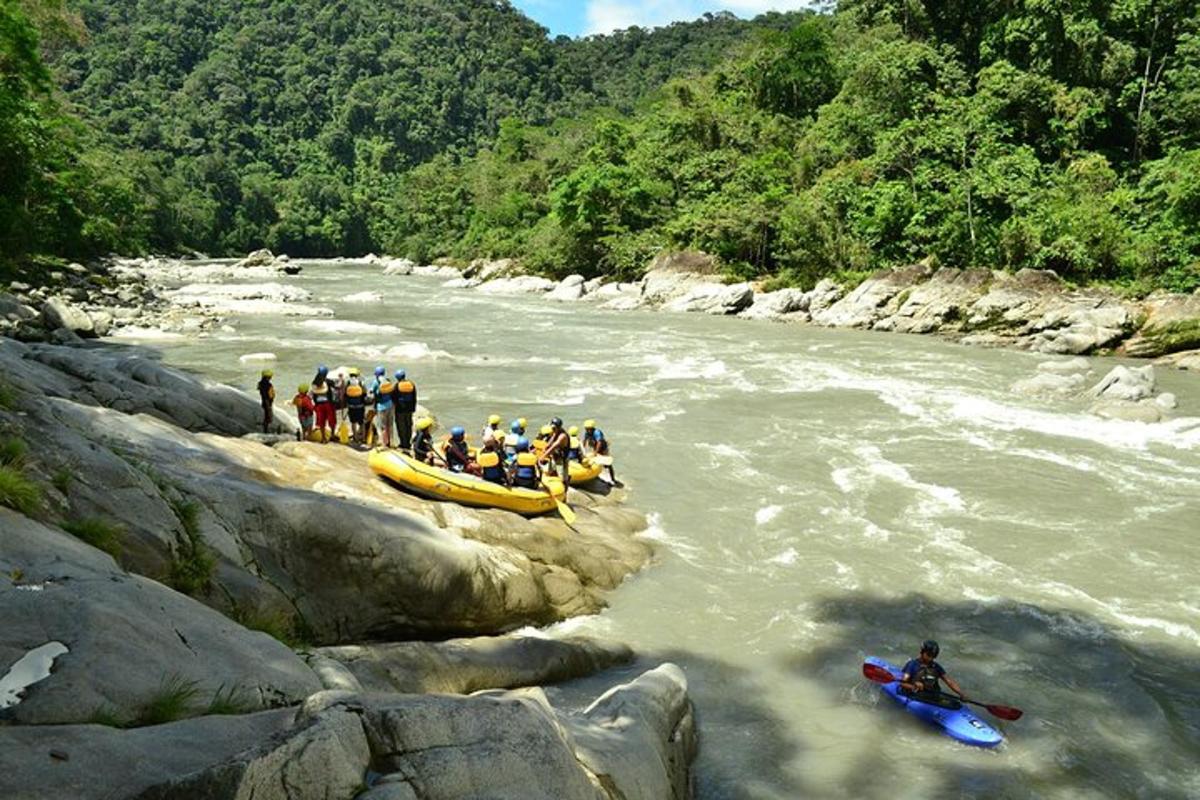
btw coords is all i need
(880, 132)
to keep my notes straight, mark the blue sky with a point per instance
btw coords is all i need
(581, 17)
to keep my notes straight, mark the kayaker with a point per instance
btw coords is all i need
(305, 411)
(266, 393)
(593, 442)
(525, 472)
(404, 400)
(491, 461)
(356, 405)
(385, 409)
(492, 427)
(323, 399)
(558, 444)
(458, 453)
(921, 675)
(422, 443)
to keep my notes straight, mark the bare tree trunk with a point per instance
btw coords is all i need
(1137, 129)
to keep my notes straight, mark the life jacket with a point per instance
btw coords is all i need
(386, 387)
(526, 470)
(575, 450)
(406, 396)
(356, 396)
(383, 394)
(422, 444)
(322, 394)
(456, 453)
(493, 468)
(926, 679)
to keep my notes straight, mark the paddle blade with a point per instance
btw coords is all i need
(565, 511)
(1005, 712)
(604, 461)
(878, 674)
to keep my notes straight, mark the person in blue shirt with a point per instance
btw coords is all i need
(385, 410)
(922, 675)
(594, 443)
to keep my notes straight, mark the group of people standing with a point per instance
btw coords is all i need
(380, 413)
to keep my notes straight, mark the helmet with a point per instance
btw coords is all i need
(556, 422)
(500, 436)
(424, 423)
(494, 419)
(354, 372)
(546, 430)
(399, 374)
(457, 431)
(516, 426)
(573, 431)
(322, 370)
(380, 371)
(266, 373)
(524, 422)
(302, 388)
(589, 424)
(522, 444)
(931, 647)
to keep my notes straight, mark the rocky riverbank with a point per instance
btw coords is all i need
(236, 615)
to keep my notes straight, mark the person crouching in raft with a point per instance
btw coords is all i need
(325, 402)
(491, 461)
(266, 393)
(558, 447)
(356, 406)
(305, 410)
(525, 473)
(404, 401)
(594, 442)
(458, 453)
(422, 443)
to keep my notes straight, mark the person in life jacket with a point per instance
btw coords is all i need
(458, 453)
(516, 431)
(491, 461)
(305, 411)
(422, 443)
(544, 433)
(921, 676)
(356, 405)
(404, 399)
(594, 443)
(524, 472)
(492, 427)
(558, 443)
(326, 404)
(322, 374)
(266, 393)
(575, 448)
(382, 391)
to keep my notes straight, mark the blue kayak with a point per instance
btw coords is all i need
(957, 723)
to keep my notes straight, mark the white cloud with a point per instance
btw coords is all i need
(604, 16)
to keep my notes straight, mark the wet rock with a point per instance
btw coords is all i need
(461, 666)
(13, 309)
(436, 271)
(128, 635)
(776, 305)
(713, 298)
(873, 299)
(522, 284)
(1187, 359)
(102, 322)
(1012, 298)
(940, 304)
(461, 283)
(1051, 383)
(1080, 325)
(1166, 401)
(58, 313)
(401, 268)
(824, 295)
(568, 289)
(1172, 324)
(1065, 366)
(259, 258)
(1129, 411)
(619, 296)
(1126, 383)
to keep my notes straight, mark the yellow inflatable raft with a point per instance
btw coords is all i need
(441, 484)
(581, 471)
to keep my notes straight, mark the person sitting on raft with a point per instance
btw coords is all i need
(594, 443)
(305, 411)
(492, 427)
(544, 433)
(356, 405)
(458, 452)
(323, 399)
(525, 472)
(921, 675)
(422, 442)
(516, 431)
(266, 394)
(491, 461)
(575, 449)
(557, 447)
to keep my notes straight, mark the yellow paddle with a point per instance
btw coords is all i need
(564, 510)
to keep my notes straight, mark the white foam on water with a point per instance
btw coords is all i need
(786, 558)
(337, 326)
(363, 297)
(256, 358)
(766, 514)
(30, 668)
(873, 466)
(144, 334)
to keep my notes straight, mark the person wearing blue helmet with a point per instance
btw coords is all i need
(458, 452)
(385, 409)
(524, 471)
(404, 401)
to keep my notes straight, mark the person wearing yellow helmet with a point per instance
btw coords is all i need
(491, 428)
(266, 394)
(306, 411)
(422, 441)
(575, 448)
(594, 443)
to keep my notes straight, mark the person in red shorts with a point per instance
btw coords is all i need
(324, 400)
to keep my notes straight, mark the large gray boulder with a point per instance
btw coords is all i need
(461, 666)
(872, 300)
(939, 304)
(569, 289)
(1126, 383)
(778, 305)
(1171, 324)
(521, 284)
(1080, 325)
(713, 298)
(57, 314)
(127, 637)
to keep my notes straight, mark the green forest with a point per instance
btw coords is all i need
(1059, 134)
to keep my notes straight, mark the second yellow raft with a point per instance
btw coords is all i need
(441, 484)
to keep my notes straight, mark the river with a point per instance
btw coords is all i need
(822, 495)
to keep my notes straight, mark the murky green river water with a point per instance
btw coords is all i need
(823, 495)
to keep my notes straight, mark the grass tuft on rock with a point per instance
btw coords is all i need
(175, 699)
(193, 564)
(99, 533)
(231, 701)
(13, 452)
(62, 479)
(8, 396)
(17, 491)
(103, 715)
(286, 628)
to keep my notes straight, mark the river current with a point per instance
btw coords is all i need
(818, 496)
